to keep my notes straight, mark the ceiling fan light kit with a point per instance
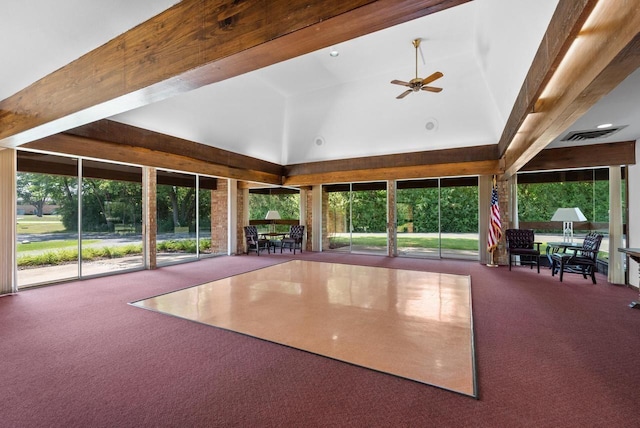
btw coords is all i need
(417, 84)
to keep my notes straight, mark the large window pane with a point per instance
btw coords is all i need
(111, 217)
(357, 217)
(339, 220)
(438, 217)
(459, 217)
(369, 218)
(417, 203)
(540, 194)
(176, 217)
(47, 214)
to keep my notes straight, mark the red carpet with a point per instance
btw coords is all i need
(549, 354)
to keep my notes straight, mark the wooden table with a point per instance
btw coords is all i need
(634, 253)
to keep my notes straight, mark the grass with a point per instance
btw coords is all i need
(53, 244)
(61, 255)
(407, 241)
(34, 225)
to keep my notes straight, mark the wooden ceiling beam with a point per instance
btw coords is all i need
(413, 159)
(486, 167)
(192, 44)
(120, 133)
(563, 28)
(606, 51)
(606, 154)
(81, 146)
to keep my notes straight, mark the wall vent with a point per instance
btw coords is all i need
(591, 134)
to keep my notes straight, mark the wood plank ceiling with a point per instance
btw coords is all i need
(199, 42)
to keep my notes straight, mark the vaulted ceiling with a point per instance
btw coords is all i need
(281, 98)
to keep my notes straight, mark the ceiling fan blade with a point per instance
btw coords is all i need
(400, 82)
(431, 78)
(431, 89)
(404, 94)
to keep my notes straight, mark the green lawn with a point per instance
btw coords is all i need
(45, 224)
(53, 244)
(408, 241)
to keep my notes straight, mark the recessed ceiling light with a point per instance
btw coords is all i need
(604, 125)
(334, 52)
(432, 124)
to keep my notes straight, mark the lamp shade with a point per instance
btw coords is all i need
(272, 215)
(568, 214)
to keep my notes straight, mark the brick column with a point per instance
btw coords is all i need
(219, 219)
(392, 226)
(500, 255)
(149, 216)
(325, 218)
(306, 197)
(242, 217)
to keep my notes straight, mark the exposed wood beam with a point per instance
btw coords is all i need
(192, 44)
(563, 28)
(605, 53)
(115, 132)
(81, 146)
(608, 154)
(397, 173)
(413, 159)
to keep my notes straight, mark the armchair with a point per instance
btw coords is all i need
(582, 260)
(294, 240)
(254, 243)
(521, 242)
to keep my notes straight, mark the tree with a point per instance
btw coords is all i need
(36, 190)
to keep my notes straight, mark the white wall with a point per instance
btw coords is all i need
(634, 213)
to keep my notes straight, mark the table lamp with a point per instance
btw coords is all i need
(272, 215)
(567, 216)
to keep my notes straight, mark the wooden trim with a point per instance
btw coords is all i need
(399, 173)
(192, 44)
(607, 154)
(605, 54)
(80, 146)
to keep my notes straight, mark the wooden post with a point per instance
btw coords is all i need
(149, 208)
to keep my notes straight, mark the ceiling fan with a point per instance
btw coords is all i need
(418, 84)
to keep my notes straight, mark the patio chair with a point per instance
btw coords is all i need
(582, 259)
(294, 240)
(521, 243)
(254, 242)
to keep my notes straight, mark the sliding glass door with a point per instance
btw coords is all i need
(418, 214)
(111, 227)
(357, 217)
(438, 217)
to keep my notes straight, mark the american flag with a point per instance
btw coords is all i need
(495, 227)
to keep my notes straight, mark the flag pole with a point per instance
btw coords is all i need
(493, 242)
(491, 263)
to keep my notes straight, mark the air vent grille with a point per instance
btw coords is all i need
(591, 134)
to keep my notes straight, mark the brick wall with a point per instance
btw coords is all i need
(219, 220)
(325, 217)
(309, 217)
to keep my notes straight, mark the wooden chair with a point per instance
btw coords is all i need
(521, 242)
(582, 260)
(294, 240)
(254, 242)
